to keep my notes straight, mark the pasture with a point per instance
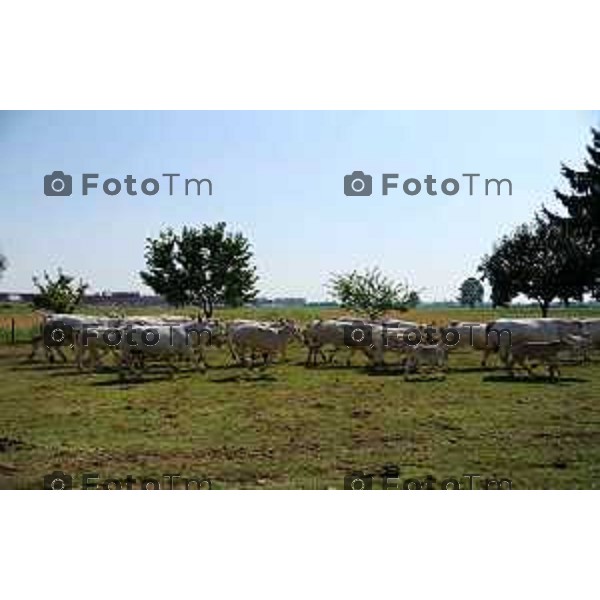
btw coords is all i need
(289, 427)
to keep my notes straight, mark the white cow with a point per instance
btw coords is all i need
(231, 326)
(550, 353)
(171, 342)
(510, 332)
(60, 331)
(397, 340)
(591, 329)
(475, 336)
(370, 338)
(432, 355)
(266, 341)
(333, 334)
(94, 343)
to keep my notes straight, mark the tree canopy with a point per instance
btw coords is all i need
(538, 260)
(201, 267)
(371, 292)
(470, 292)
(60, 295)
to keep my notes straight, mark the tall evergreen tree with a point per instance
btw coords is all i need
(582, 225)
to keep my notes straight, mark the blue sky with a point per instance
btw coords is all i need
(278, 177)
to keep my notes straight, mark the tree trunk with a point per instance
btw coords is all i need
(204, 308)
(544, 305)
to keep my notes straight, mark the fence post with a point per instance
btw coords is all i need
(12, 330)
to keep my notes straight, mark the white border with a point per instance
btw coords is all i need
(269, 54)
(301, 544)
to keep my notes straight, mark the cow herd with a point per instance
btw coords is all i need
(134, 343)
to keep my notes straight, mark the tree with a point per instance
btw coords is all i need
(61, 295)
(201, 267)
(3, 264)
(541, 261)
(412, 299)
(582, 223)
(371, 293)
(471, 292)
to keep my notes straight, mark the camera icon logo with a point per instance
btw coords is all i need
(58, 334)
(358, 336)
(358, 481)
(358, 184)
(57, 480)
(58, 184)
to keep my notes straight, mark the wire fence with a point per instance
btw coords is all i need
(16, 330)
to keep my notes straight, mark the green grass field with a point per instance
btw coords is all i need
(291, 427)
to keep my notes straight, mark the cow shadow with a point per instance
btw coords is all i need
(535, 380)
(423, 377)
(336, 367)
(33, 367)
(383, 372)
(137, 381)
(246, 377)
(475, 369)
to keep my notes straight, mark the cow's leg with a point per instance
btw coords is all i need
(36, 343)
(309, 357)
(201, 360)
(92, 358)
(350, 356)
(409, 366)
(267, 358)
(443, 363)
(509, 365)
(484, 357)
(314, 353)
(124, 361)
(528, 367)
(133, 362)
(232, 351)
(95, 357)
(240, 352)
(79, 355)
(252, 358)
(245, 361)
(60, 352)
(172, 358)
(332, 355)
(50, 355)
